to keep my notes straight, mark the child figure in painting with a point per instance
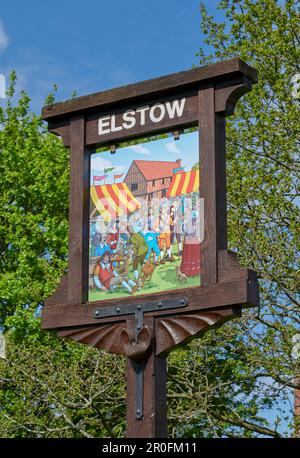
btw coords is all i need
(107, 279)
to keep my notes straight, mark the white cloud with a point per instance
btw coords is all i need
(3, 38)
(173, 148)
(139, 149)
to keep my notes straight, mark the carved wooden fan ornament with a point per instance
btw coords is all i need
(146, 327)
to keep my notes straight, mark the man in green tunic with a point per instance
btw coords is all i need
(140, 248)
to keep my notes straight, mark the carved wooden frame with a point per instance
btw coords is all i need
(211, 93)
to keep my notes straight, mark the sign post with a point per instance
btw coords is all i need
(149, 266)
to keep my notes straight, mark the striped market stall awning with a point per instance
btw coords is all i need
(184, 183)
(114, 200)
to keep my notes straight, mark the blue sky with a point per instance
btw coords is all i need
(186, 148)
(96, 45)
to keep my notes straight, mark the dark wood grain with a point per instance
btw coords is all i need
(230, 269)
(170, 330)
(62, 129)
(106, 336)
(174, 330)
(207, 136)
(220, 183)
(227, 94)
(78, 213)
(206, 297)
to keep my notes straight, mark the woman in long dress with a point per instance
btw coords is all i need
(190, 263)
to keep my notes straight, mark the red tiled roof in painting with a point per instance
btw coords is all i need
(153, 170)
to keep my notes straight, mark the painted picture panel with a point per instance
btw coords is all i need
(145, 218)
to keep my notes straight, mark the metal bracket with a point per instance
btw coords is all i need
(138, 310)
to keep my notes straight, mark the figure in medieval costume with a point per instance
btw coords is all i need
(190, 263)
(152, 243)
(164, 239)
(112, 240)
(102, 246)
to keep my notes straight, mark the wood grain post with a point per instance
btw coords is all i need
(154, 421)
(78, 213)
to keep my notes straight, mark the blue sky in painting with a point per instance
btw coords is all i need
(165, 149)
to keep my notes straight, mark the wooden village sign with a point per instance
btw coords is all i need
(107, 299)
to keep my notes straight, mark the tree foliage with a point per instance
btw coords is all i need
(56, 388)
